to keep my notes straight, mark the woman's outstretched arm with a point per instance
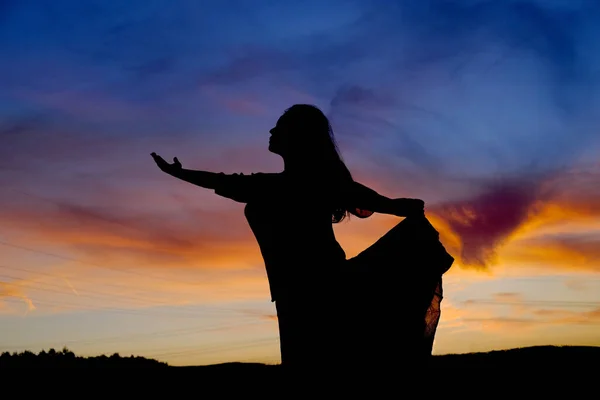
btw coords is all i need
(203, 179)
(238, 187)
(365, 198)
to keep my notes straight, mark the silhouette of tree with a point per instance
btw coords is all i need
(67, 358)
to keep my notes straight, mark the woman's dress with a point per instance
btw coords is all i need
(394, 294)
(384, 302)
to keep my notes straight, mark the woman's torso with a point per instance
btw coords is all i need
(292, 224)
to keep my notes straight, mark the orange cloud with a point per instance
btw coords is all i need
(571, 253)
(486, 221)
(508, 296)
(535, 319)
(202, 238)
(509, 223)
(13, 290)
(74, 287)
(561, 317)
(509, 319)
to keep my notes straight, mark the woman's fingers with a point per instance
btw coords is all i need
(162, 164)
(157, 158)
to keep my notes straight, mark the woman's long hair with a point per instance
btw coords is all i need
(314, 143)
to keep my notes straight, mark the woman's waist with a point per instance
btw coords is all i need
(309, 252)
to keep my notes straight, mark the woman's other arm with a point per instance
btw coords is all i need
(365, 198)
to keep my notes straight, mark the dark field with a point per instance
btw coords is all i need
(548, 371)
(541, 357)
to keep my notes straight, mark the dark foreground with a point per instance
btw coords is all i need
(548, 371)
(538, 357)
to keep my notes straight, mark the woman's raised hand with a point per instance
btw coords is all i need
(171, 169)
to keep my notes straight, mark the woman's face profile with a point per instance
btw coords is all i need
(279, 138)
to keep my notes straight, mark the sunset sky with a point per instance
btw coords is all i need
(486, 110)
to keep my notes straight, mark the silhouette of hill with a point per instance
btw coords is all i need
(540, 357)
(527, 357)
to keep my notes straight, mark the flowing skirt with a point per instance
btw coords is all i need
(388, 307)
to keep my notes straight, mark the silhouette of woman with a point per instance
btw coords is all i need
(310, 280)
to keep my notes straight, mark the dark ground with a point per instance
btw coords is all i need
(548, 371)
(542, 357)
